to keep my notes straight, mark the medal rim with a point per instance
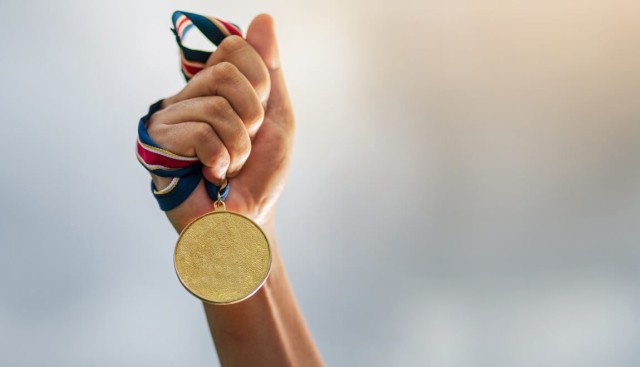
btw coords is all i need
(175, 252)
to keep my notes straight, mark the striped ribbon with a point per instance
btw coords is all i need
(213, 28)
(185, 171)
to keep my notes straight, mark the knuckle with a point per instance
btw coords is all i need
(218, 106)
(155, 124)
(262, 83)
(239, 145)
(225, 72)
(255, 118)
(152, 122)
(232, 44)
(204, 133)
(218, 158)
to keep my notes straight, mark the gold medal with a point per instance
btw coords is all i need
(222, 257)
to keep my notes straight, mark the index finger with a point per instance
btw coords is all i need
(237, 51)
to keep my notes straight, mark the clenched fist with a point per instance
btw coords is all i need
(235, 116)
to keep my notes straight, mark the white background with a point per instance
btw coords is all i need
(465, 188)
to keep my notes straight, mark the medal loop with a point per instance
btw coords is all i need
(219, 203)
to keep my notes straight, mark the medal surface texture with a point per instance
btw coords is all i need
(222, 257)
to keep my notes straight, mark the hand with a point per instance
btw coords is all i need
(235, 116)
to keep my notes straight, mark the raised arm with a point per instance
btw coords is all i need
(235, 116)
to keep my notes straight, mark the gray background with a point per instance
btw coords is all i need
(465, 189)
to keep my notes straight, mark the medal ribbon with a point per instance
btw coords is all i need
(185, 171)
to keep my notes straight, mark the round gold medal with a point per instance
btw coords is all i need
(222, 257)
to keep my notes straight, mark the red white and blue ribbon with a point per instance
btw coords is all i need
(185, 171)
(214, 29)
(162, 162)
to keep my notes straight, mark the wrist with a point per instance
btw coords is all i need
(267, 223)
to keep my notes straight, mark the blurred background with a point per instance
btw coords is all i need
(465, 189)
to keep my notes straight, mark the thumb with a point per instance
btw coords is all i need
(262, 36)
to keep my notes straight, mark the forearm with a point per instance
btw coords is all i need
(266, 329)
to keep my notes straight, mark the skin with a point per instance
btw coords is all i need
(236, 117)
